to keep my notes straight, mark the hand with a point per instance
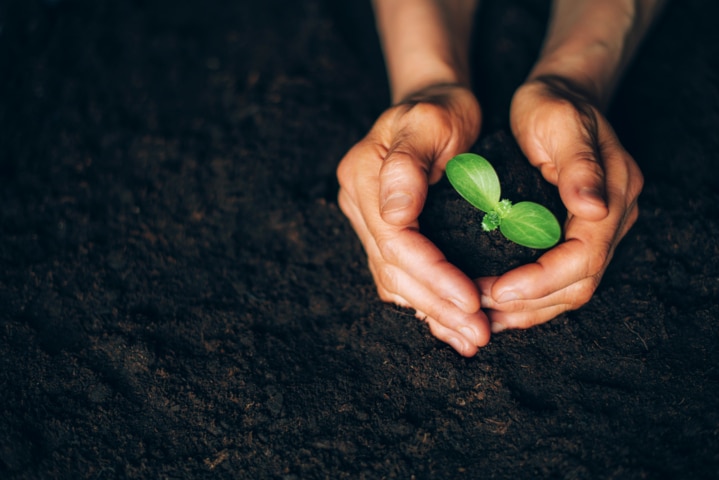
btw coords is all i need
(563, 133)
(383, 186)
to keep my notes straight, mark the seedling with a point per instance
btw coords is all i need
(526, 223)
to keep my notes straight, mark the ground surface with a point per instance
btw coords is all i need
(180, 296)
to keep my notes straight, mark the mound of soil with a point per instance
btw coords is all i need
(180, 296)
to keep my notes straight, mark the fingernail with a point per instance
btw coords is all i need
(469, 334)
(497, 327)
(457, 344)
(396, 201)
(508, 296)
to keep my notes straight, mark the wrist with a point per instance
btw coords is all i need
(432, 77)
(449, 114)
(593, 64)
(425, 42)
(590, 43)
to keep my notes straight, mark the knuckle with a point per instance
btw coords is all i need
(387, 281)
(398, 162)
(596, 260)
(349, 208)
(385, 296)
(547, 169)
(430, 115)
(390, 248)
(528, 321)
(591, 165)
(345, 170)
(632, 216)
(583, 292)
(342, 201)
(638, 178)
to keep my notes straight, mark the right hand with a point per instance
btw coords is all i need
(383, 186)
(563, 132)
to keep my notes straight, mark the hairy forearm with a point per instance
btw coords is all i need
(590, 42)
(425, 42)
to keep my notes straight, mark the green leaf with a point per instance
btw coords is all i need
(531, 225)
(475, 180)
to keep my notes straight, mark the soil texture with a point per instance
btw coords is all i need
(180, 296)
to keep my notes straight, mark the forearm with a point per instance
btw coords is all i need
(425, 42)
(590, 42)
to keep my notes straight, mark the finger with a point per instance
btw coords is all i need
(566, 275)
(431, 288)
(580, 180)
(583, 179)
(417, 156)
(586, 252)
(465, 344)
(414, 159)
(412, 252)
(560, 267)
(460, 344)
(421, 260)
(473, 326)
(403, 185)
(501, 321)
(400, 286)
(569, 298)
(523, 314)
(567, 150)
(465, 332)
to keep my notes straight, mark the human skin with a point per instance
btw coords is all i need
(557, 119)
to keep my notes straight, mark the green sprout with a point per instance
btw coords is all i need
(526, 223)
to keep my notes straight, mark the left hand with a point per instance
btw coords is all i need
(564, 134)
(383, 185)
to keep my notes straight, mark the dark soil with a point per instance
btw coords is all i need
(180, 296)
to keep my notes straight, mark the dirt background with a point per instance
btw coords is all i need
(180, 296)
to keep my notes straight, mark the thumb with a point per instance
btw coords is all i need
(581, 168)
(404, 182)
(581, 183)
(571, 156)
(562, 133)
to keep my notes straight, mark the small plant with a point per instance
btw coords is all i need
(526, 223)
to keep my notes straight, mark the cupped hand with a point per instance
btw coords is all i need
(383, 186)
(563, 133)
